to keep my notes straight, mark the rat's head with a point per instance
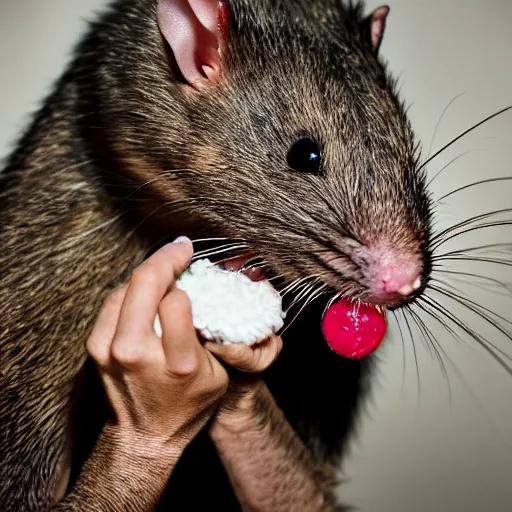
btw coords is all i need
(282, 128)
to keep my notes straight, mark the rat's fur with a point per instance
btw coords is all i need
(210, 163)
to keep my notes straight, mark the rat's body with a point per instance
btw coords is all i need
(117, 120)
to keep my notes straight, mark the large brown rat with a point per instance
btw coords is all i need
(281, 129)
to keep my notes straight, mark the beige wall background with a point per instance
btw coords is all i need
(429, 442)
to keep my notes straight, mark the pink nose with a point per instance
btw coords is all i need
(390, 272)
(397, 278)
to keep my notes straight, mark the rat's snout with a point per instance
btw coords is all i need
(396, 278)
(390, 274)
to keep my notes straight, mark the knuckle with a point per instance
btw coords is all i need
(98, 352)
(185, 368)
(102, 362)
(128, 354)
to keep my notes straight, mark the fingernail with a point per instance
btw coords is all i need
(182, 240)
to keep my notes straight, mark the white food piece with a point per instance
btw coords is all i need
(227, 307)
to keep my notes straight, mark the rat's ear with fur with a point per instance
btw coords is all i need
(194, 30)
(373, 27)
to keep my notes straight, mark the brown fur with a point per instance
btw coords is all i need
(287, 472)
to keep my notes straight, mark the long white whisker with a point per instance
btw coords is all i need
(293, 285)
(304, 293)
(218, 250)
(305, 305)
(89, 232)
(332, 300)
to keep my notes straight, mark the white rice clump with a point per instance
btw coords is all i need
(227, 307)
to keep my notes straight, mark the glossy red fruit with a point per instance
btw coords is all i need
(353, 330)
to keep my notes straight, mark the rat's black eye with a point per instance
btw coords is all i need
(305, 156)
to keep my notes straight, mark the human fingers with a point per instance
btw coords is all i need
(149, 284)
(252, 359)
(100, 340)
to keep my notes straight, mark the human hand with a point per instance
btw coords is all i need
(162, 390)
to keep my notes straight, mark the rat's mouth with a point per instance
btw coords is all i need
(249, 264)
(253, 267)
(352, 329)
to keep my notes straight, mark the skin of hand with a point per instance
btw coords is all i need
(162, 391)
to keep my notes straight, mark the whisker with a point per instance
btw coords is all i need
(69, 242)
(453, 160)
(160, 176)
(497, 261)
(299, 293)
(471, 229)
(489, 280)
(431, 341)
(502, 247)
(254, 262)
(215, 239)
(474, 184)
(491, 350)
(304, 293)
(463, 134)
(424, 307)
(293, 285)
(418, 379)
(304, 306)
(276, 277)
(470, 221)
(456, 296)
(456, 369)
(403, 345)
(218, 250)
(331, 301)
(450, 103)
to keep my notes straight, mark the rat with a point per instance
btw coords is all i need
(274, 123)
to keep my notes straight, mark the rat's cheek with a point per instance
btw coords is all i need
(353, 330)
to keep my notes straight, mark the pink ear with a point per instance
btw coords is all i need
(191, 28)
(377, 26)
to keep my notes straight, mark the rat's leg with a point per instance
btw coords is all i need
(269, 466)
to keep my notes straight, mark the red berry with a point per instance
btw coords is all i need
(353, 330)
